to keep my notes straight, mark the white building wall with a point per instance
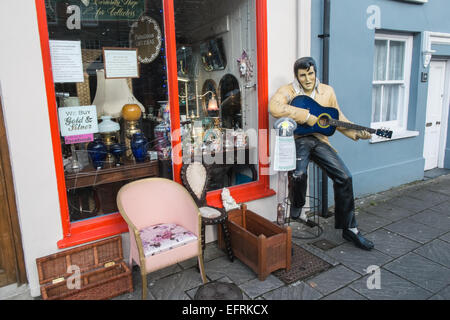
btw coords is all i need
(28, 130)
(28, 126)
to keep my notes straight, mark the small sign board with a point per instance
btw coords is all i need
(120, 63)
(77, 120)
(81, 138)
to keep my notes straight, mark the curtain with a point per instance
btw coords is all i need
(396, 60)
(387, 97)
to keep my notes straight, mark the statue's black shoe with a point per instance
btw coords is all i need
(295, 212)
(357, 239)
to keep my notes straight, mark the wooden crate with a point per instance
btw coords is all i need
(259, 243)
(103, 272)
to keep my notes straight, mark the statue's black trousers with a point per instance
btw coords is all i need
(309, 148)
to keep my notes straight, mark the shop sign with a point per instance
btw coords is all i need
(78, 120)
(105, 10)
(145, 35)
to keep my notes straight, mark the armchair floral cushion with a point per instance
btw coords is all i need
(162, 237)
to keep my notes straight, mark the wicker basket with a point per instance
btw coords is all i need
(257, 242)
(104, 274)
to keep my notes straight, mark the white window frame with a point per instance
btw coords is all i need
(399, 126)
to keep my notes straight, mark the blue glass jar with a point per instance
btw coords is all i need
(97, 152)
(117, 150)
(139, 146)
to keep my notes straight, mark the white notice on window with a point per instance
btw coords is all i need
(67, 64)
(121, 63)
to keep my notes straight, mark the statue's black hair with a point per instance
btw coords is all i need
(304, 63)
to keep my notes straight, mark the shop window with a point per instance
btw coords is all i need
(131, 83)
(110, 55)
(391, 76)
(218, 102)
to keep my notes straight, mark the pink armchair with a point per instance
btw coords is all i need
(164, 224)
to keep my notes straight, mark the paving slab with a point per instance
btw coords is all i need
(443, 207)
(392, 287)
(212, 251)
(236, 271)
(158, 274)
(446, 237)
(421, 271)
(296, 291)
(412, 204)
(433, 219)
(442, 295)
(437, 251)
(429, 196)
(369, 222)
(436, 172)
(174, 287)
(333, 279)
(255, 287)
(388, 211)
(329, 233)
(441, 185)
(414, 230)
(357, 259)
(137, 288)
(345, 294)
(391, 243)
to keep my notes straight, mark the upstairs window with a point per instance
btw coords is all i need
(390, 86)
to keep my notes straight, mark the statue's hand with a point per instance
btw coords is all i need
(312, 120)
(363, 134)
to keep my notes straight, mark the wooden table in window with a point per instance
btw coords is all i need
(110, 173)
(103, 196)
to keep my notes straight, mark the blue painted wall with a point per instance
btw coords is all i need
(380, 166)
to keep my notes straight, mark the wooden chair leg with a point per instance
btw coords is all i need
(227, 241)
(144, 285)
(202, 268)
(203, 237)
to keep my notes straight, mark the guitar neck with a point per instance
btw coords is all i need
(342, 124)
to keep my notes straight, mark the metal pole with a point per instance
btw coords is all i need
(325, 79)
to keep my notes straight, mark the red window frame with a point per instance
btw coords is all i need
(75, 233)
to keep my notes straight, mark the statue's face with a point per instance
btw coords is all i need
(307, 78)
(243, 68)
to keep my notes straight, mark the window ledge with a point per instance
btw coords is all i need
(395, 136)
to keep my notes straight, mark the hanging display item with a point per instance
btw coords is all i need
(245, 66)
(146, 36)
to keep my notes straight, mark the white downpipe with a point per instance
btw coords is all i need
(303, 28)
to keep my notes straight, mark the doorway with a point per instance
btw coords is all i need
(12, 266)
(436, 115)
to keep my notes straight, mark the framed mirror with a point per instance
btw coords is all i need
(213, 55)
(230, 102)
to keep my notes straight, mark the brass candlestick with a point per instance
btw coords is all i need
(131, 113)
(110, 135)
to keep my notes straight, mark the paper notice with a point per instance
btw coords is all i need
(284, 153)
(67, 64)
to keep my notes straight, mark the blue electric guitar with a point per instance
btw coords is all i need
(328, 119)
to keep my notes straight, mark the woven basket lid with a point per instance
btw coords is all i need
(87, 257)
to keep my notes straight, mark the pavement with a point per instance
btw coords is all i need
(410, 226)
